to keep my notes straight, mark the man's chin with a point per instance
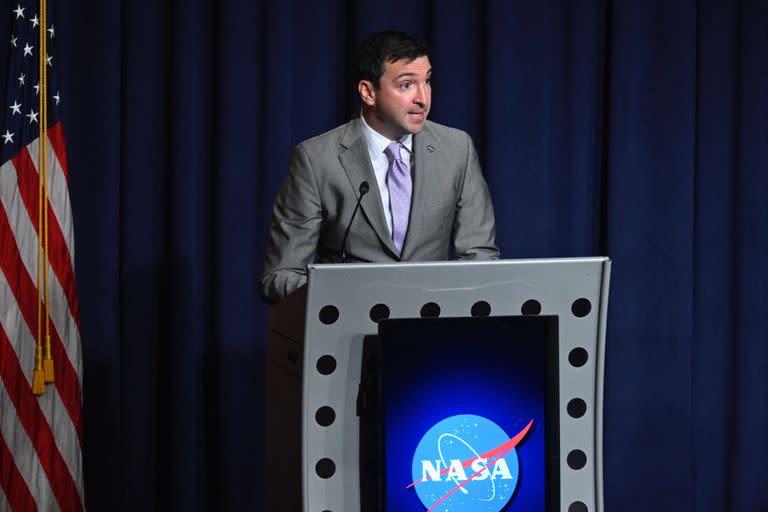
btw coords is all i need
(415, 127)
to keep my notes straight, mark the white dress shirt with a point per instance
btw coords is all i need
(377, 143)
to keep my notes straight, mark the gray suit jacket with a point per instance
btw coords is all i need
(450, 203)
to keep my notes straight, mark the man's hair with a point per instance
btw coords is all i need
(382, 47)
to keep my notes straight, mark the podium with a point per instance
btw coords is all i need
(316, 341)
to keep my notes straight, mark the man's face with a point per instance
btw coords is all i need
(401, 102)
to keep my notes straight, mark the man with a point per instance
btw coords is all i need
(426, 189)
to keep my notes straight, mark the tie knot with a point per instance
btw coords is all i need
(393, 151)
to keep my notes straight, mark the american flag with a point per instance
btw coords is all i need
(40, 436)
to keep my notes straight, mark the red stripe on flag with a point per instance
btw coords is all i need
(56, 136)
(58, 252)
(23, 288)
(37, 428)
(13, 484)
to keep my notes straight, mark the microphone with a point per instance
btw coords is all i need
(364, 187)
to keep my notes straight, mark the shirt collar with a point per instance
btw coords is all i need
(377, 143)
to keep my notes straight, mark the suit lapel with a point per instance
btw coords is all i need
(357, 164)
(422, 173)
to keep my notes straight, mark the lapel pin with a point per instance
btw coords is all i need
(430, 148)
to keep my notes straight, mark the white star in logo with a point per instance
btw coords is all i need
(8, 136)
(35, 21)
(57, 97)
(27, 49)
(16, 108)
(19, 12)
(37, 88)
(51, 31)
(32, 116)
(13, 41)
(49, 60)
(21, 79)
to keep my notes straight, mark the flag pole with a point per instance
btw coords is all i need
(47, 360)
(40, 376)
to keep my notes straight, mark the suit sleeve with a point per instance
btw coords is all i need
(294, 230)
(474, 228)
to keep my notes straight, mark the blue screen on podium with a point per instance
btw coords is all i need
(468, 414)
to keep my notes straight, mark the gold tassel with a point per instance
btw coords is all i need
(48, 361)
(38, 382)
(38, 376)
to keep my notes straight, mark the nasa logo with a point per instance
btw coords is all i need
(466, 463)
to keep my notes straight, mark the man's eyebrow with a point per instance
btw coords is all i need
(409, 74)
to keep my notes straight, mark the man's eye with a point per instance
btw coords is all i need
(405, 85)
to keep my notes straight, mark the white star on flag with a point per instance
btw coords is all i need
(19, 11)
(37, 88)
(57, 98)
(35, 21)
(8, 136)
(13, 40)
(16, 108)
(49, 60)
(21, 79)
(32, 116)
(27, 49)
(51, 31)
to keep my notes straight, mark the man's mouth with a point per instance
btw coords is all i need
(417, 115)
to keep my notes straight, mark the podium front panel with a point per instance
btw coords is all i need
(467, 414)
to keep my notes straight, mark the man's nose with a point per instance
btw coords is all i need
(421, 94)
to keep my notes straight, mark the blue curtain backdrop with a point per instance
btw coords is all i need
(633, 129)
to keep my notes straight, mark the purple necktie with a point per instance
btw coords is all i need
(399, 185)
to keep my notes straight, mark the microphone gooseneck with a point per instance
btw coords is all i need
(364, 187)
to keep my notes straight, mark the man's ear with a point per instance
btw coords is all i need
(367, 92)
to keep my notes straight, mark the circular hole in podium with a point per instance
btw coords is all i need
(578, 357)
(326, 365)
(577, 506)
(325, 416)
(581, 307)
(329, 314)
(531, 307)
(430, 310)
(577, 408)
(325, 468)
(577, 459)
(481, 308)
(379, 312)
